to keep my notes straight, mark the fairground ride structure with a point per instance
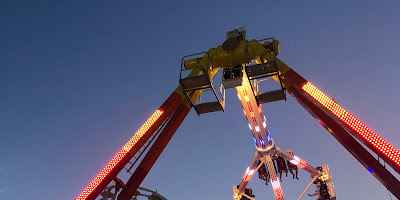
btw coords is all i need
(246, 64)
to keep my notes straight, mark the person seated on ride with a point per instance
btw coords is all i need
(281, 163)
(249, 192)
(292, 167)
(262, 171)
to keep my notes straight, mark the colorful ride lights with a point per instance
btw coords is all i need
(264, 124)
(324, 177)
(259, 108)
(276, 186)
(360, 128)
(238, 95)
(248, 192)
(237, 196)
(120, 155)
(248, 174)
(324, 183)
(298, 162)
(262, 142)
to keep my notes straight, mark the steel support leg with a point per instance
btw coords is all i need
(276, 186)
(249, 172)
(110, 171)
(154, 152)
(351, 144)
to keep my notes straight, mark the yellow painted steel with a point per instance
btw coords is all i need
(194, 95)
(283, 68)
(251, 50)
(216, 58)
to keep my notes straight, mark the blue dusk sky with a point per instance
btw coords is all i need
(78, 78)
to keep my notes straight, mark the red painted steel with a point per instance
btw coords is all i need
(110, 171)
(155, 151)
(276, 186)
(357, 128)
(326, 119)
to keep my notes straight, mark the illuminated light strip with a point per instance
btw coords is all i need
(256, 125)
(359, 127)
(248, 174)
(249, 106)
(276, 186)
(298, 162)
(244, 91)
(120, 155)
(237, 196)
(259, 109)
(252, 114)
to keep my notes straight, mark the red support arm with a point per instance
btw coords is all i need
(111, 170)
(334, 119)
(155, 151)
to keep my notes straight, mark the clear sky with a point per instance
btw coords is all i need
(78, 78)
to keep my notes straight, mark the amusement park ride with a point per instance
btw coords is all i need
(245, 65)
